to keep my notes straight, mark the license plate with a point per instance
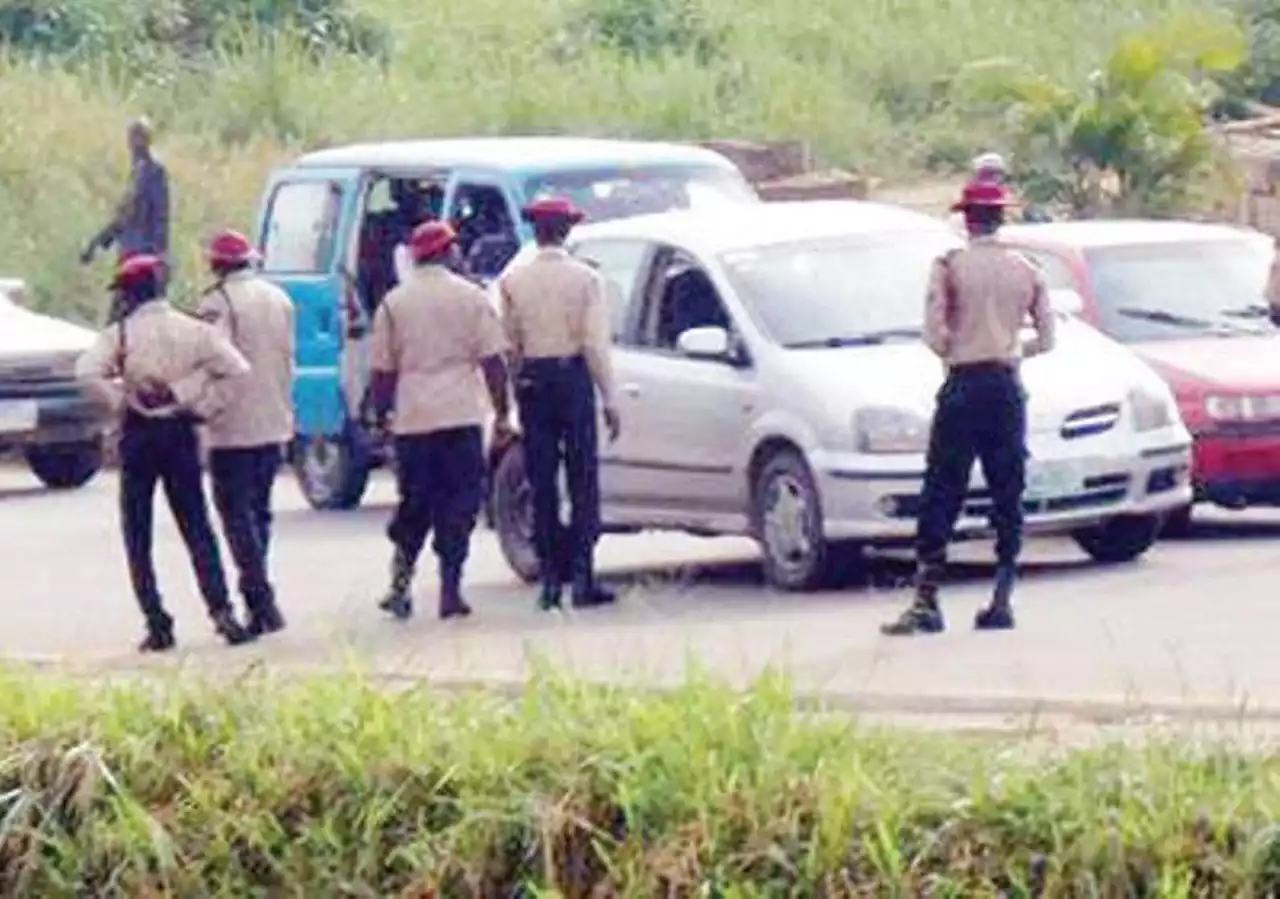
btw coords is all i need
(1051, 480)
(18, 416)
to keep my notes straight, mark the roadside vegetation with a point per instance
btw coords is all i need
(236, 86)
(337, 788)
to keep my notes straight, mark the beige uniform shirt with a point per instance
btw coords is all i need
(257, 317)
(980, 319)
(555, 306)
(158, 343)
(433, 331)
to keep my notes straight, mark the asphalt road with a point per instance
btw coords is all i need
(1189, 630)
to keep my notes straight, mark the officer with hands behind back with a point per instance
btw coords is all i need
(979, 299)
(557, 319)
(163, 371)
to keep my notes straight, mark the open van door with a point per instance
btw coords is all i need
(305, 234)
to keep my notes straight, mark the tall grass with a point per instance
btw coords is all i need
(866, 82)
(332, 788)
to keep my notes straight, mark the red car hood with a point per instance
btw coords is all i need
(1237, 363)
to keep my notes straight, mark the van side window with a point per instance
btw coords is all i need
(302, 228)
(486, 232)
(620, 263)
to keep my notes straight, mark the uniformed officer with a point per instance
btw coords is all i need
(979, 299)
(430, 336)
(557, 320)
(247, 438)
(163, 371)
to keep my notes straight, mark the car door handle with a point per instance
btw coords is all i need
(631, 389)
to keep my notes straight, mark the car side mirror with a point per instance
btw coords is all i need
(705, 343)
(1066, 300)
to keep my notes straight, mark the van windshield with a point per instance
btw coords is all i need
(615, 193)
(1177, 290)
(838, 292)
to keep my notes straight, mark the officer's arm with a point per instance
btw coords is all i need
(489, 350)
(599, 339)
(1043, 319)
(219, 369)
(98, 369)
(213, 309)
(511, 325)
(382, 383)
(937, 329)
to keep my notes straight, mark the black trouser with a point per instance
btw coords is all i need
(981, 414)
(166, 450)
(557, 402)
(242, 482)
(441, 480)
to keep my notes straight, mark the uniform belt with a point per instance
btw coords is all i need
(986, 367)
(543, 363)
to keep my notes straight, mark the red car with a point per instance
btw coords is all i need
(1190, 299)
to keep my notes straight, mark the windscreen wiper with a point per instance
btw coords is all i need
(1253, 310)
(867, 338)
(1163, 317)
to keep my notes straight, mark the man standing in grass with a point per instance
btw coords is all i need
(140, 225)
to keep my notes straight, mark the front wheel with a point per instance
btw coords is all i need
(511, 511)
(332, 472)
(1120, 539)
(788, 524)
(65, 466)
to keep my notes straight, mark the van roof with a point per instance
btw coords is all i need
(520, 154)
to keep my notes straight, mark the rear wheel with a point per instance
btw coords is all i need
(1177, 523)
(1120, 539)
(332, 472)
(787, 516)
(65, 466)
(511, 511)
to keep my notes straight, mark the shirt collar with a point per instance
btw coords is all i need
(553, 252)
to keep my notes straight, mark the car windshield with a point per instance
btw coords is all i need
(838, 292)
(1172, 291)
(614, 193)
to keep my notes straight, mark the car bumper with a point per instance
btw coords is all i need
(1238, 470)
(879, 503)
(64, 415)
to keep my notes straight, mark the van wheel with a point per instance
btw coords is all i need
(1120, 539)
(1177, 523)
(332, 472)
(787, 518)
(511, 511)
(65, 466)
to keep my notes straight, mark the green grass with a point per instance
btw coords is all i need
(864, 81)
(334, 788)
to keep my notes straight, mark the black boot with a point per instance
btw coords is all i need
(452, 605)
(587, 593)
(549, 598)
(397, 601)
(923, 615)
(158, 639)
(265, 617)
(998, 616)
(231, 630)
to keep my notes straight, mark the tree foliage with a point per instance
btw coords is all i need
(1129, 139)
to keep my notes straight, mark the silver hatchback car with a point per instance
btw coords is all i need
(773, 383)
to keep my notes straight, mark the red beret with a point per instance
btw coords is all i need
(137, 269)
(430, 239)
(983, 192)
(231, 248)
(550, 209)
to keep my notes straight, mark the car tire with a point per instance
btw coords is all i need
(332, 473)
(787, 521)
(511, 513)
(1120, 539)
(66, 466)
(1177, 524)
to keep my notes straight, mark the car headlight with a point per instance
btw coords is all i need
(1242, 408)
(1151, 411)
(887, 430)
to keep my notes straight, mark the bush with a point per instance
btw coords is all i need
(865, 82)
(334, 788)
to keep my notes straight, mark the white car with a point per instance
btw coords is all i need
(44, 413)
(773, 383)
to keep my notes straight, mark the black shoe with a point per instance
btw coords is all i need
(267, 621)
(230, 630)
(157, 641)
(592, 597)
(919, 618)
(995, 617)
(453, 606)
(549, 598)
(398, 605)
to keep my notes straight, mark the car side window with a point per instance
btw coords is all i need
(681, 297)
(301, 231)
(1053, 268)
(621, 263)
